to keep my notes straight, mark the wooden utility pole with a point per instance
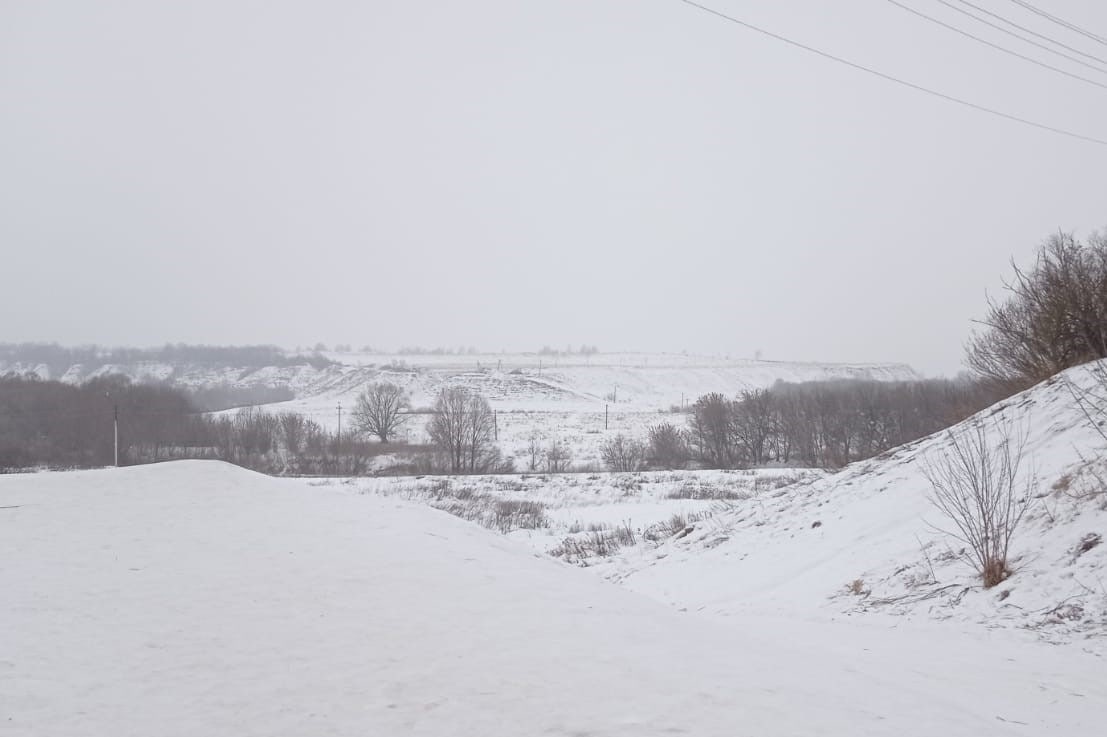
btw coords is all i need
(115, 428)
(338, 438)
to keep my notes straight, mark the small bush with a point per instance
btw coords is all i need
(621, 453)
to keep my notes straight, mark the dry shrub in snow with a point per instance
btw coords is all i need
(975, 485)
(621, 453)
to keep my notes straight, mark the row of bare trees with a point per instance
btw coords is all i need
(48, 423)
(825, 424)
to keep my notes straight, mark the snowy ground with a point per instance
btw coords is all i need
(194, 598)
(864, 540)
(867, 539)
(617, 509)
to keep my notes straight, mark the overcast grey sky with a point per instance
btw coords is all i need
(505, 173)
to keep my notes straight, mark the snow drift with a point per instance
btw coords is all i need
(194, 598)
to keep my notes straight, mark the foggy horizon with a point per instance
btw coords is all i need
(641, 177)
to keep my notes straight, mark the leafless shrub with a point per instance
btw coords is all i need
(705, 491)
(629, 484)
(625, 534)
(621, 453)
(535, 453)
(469, 503)
(679, 524)
(514, 514)
(975, 485)
(558, 457)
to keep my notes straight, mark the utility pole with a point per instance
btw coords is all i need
(338, 438)
(615, 394)
(496, 425)
(605, 417)
(115, 424)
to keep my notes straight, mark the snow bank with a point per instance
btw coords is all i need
(803, 548)
(197, 599)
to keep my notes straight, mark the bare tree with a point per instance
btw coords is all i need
(975, 484)
(292, 428)
(711, 430)
(621, 453)
(754, 422)
(558, 457)
(462, 429)
(535, 452)
(379, 410)
(1054, 317)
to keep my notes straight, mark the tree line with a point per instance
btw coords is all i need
(58, 359)
(53, 424)
(825, 424)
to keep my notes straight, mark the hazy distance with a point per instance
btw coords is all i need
(634, 175)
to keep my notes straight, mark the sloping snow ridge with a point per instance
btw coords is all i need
(869, 539)
(194, 598)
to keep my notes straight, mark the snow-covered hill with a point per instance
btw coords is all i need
(512, 382)
(194, 598)
(869, 539)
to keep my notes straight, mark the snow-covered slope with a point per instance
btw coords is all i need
(512, 382)
(629, 382)
(868, 538)
(198, 599)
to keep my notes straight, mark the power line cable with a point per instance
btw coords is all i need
(890, 78)
(1031, 31)
(986, 42)
(1030, 41)
(1062, 22)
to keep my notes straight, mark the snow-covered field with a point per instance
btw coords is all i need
(568, 511)
(194, 598)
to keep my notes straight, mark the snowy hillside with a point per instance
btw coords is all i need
(868, 539)
(627, 382)
(512, 382)
(194, 598)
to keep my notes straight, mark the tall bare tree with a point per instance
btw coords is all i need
(463, 430)
(379, 410)
(711, 431)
